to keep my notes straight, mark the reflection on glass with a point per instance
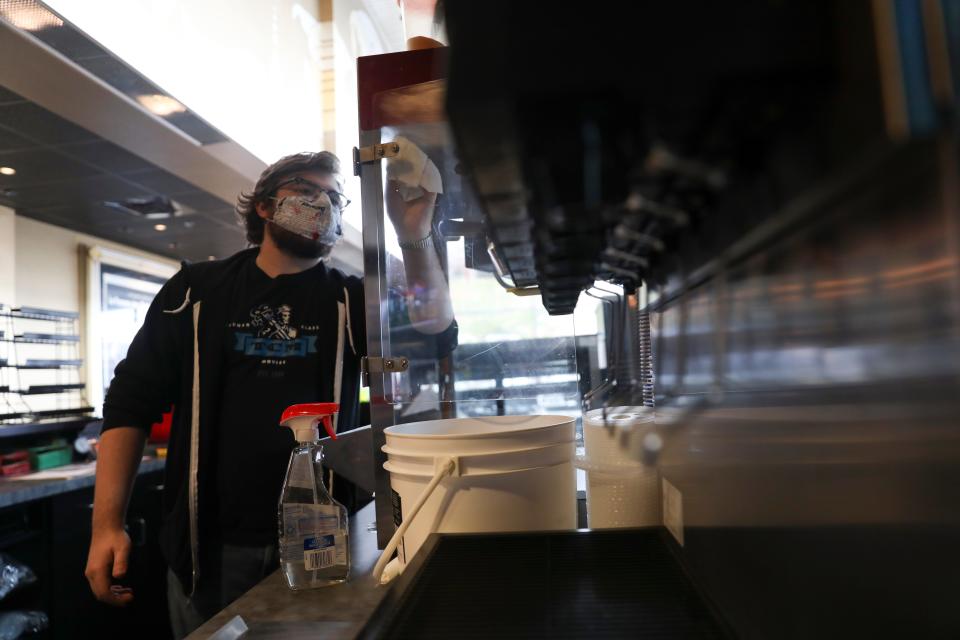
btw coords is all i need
(511, 356)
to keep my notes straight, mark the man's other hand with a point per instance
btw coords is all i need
(107, 561)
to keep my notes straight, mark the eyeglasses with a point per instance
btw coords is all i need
(312, 190)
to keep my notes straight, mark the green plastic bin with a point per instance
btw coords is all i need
(50, 456)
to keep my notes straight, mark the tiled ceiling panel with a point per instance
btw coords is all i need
(9, 140)
(41, 166)
(165, 183)
(107, 156)
(64, 174)
(202, 201)
(81, 191)
(32, 121)
(9, 96)
(118, 75)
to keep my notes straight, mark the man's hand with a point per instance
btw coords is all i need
(109, 553)
(430, 309)
(411, 219)
(120, 451)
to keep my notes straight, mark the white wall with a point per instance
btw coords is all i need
(48, 270)
(45, 266)
(7, 255)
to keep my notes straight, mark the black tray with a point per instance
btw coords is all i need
(595, 584)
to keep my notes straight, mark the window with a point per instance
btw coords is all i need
(120, 288)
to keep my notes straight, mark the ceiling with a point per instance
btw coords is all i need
(64, 174)
(74, 126)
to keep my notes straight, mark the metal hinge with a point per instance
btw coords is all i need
(373, 153)
(389, 364)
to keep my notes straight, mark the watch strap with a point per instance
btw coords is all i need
(422, 243)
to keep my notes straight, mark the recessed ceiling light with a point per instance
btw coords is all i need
(160, 104)
(7, 171)
(25, 15)
(160, 227)
(211, 257)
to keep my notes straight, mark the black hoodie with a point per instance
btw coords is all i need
(176, 359)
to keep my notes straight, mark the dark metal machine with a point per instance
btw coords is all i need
(765, 197)
(774, 188)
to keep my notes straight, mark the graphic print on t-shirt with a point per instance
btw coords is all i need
(273, 324)
(269, 334)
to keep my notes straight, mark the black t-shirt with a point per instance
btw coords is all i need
(271, 362)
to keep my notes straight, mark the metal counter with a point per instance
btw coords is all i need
(14, 492)
(271, 609)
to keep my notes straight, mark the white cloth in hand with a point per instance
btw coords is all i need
(414, 170)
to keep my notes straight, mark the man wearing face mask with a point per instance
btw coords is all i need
(231, 344)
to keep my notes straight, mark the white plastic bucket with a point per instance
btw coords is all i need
(621, 491)
(514, 473)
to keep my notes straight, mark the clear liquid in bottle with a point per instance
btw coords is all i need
(314, 538)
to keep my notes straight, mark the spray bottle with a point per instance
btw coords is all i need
(314, 541)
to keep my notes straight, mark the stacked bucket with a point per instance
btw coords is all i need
(621, 490)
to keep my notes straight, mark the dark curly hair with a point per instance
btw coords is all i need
(322, 161)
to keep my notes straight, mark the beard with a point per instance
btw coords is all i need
(297, 246)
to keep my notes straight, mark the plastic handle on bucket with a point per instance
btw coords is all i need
(446, 466)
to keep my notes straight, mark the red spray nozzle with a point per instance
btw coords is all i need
(303, 417)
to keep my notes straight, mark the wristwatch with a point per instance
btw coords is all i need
(422, 243)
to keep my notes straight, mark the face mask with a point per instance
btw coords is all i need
(316, 219)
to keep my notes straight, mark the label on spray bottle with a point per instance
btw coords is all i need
(312, 532)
